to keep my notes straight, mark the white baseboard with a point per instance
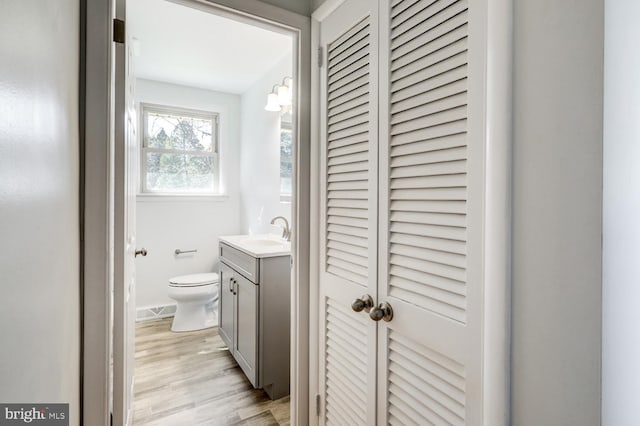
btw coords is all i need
(163, 311)
(155, 312)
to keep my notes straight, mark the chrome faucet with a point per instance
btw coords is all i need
(286, 230)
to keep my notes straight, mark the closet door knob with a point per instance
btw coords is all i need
(142, 251)
(382, 312)
(365, 303)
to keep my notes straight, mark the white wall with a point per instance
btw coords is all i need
(39, 203)
(260, 158)
(167, 223)
(557, 167)
(621, 260)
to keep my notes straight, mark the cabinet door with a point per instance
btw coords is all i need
(226, 306)
(431, 211)
(246, 327)
(348, 221)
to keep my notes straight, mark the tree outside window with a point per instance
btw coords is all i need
(179, 151)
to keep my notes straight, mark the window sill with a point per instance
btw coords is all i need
(179, 198)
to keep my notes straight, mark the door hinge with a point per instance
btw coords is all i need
(118, 30)
(318, 405)
(320, 57)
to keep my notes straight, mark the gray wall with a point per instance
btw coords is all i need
(316, 4)
(39, 231)
(621, 264)
(303, 7)
(556, 335)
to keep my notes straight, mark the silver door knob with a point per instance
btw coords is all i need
(142, 251)
(365, 303)
(382, 312)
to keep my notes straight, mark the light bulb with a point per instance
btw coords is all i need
(272, 103)
(284, 95)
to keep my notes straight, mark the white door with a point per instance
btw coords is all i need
(431, 212)
(125, 181)
(420, 204)
(348, 222)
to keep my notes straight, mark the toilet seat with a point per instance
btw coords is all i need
(194, 280)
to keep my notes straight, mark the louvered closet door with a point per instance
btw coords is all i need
(348, 213)
(431, 191)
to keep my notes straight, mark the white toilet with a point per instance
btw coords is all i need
(196, 296)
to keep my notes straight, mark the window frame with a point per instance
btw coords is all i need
(145, 109)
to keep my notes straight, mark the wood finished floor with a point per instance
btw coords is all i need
(191, 379)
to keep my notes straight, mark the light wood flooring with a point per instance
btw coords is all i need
(191, 379)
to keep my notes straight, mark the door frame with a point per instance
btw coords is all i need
(97, 163)
(498, 119)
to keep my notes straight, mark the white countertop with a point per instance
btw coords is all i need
(264, 245)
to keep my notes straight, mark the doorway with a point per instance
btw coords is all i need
(215, 131)
(97, 324)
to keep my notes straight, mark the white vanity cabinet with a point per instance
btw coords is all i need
(253, 314)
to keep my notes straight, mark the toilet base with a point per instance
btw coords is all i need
(192, 317)
(195, 306)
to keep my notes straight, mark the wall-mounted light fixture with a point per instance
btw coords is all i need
(284, 92)
(272, 100)
(280, 96)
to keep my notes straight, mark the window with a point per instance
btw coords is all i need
(179, 151)
(286, 156)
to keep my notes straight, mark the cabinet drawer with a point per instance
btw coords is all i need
(240, 261)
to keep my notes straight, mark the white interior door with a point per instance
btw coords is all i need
(125, 181)
(348, 219)
(431, 211)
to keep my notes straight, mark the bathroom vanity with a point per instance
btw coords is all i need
(254, 308)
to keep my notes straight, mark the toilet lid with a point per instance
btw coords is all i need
(194, 280)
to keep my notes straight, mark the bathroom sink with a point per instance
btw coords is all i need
(265, 245)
